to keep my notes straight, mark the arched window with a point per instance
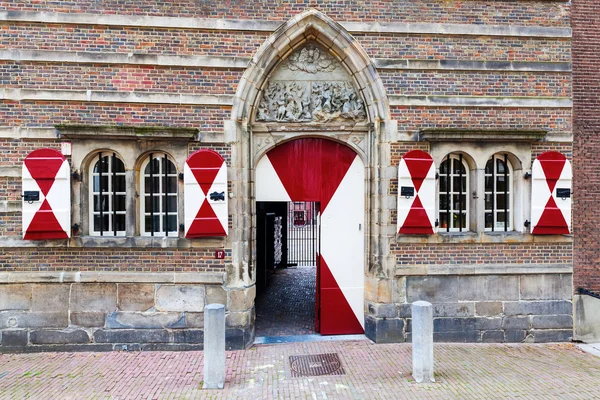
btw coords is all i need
(158, 205)
(453, 190)
(107, 195)
(498, 194)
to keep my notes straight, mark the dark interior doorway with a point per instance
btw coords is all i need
(286, 268)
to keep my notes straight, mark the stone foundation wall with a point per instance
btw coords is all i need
(89, 312)
(507, 308)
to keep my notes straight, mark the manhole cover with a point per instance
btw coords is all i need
(316, 365)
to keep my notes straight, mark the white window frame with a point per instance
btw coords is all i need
(454, 191)
(509, 191)
(110, 232)
(160, 231)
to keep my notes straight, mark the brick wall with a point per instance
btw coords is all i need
(537, 13)
(586, 143)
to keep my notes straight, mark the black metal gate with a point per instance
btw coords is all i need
(302, 231)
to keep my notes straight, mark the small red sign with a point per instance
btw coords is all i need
(220, 254)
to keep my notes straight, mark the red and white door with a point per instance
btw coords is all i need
(46, 196)
(332, 174)
(205, 194)
(551, 194)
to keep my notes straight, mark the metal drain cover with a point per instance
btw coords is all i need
(316, 365)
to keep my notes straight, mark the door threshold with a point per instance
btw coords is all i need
(305, 338)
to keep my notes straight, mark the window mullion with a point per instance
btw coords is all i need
(165, 193)
(448, 190)
(151, 194)
(100, 199)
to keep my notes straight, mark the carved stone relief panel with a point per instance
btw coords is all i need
(310, 86)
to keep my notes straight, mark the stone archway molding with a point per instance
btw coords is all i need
(311, 25)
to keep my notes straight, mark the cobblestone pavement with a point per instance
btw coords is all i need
(463, 371)
(287, 306)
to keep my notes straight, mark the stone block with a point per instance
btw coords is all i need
(135, 296)
(553, 335)
(488, 324)
(132, 336)
(434, 289)
(216, 295)
(514, 335)
(404, 310)
(551, 322)
(515, 323)
(17, 319)
(50, 297)
(382, 310)
(14, 338)
(194, 320)
(453, 310)
(59, 337)
(242, 299)
(488, 309)
(238, 319)
(180, 298)
(384, 330)
(15, 296)
(453, 324)
(457, 337)
(188, 336)
(546, 287)
(488, 287)
(94, 297)
(384, 291)
(142, 320)
(238, 338)
(371, 289)
(538, 307)
(88, 319)
(492, 336)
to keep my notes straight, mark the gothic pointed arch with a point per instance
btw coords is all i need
(311, 26)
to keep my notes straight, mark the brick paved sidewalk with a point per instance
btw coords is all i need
(463, 371)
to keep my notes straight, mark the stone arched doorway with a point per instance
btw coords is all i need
(332, 175)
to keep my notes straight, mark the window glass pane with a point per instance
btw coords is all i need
(120, 202)
(157, 224)
(147, 183)
(500, 183)
(489, 219)
(172, 184)
(443, 220)
(120, 183)
(488, 202)
(489, 166)
(172, 223)
(171, 168)
(172, 203)
(120, 222)
(456, 202)
(456, 166)
(500, 201)
(489, 182)
(443, 201)
(456, 187)
(443, 187)
(147, 223)
(96, 203)
(463, 220)
(103, 184)
(444, 167)
(147, 204)
(97, 224)
(500, 165)
(96, 184)
(118, 165)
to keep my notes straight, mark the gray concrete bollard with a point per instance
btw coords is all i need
(214, 346)
(422, 341)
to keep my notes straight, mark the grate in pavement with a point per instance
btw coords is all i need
(316, 365)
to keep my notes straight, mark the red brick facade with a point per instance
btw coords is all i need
(586, 143)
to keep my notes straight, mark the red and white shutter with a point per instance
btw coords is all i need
(416, 193)
(46, 196)
(205, 194)
(551, 194)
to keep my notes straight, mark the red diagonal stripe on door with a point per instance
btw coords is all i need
(311, 169)
(337, 316)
